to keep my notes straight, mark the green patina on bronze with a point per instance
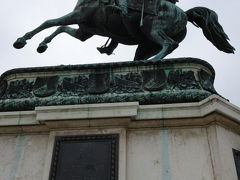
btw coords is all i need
(147, 82)
(156, 26)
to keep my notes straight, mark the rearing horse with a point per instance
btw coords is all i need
(157, 33)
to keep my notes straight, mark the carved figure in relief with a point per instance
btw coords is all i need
(156, 26)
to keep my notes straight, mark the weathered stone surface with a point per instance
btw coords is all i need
(155, 141)
(147, 82)
(168, 154)
(22, 156)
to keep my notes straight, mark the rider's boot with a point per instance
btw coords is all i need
(108, 49)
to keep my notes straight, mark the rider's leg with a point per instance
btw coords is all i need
(76, 33)
(108, 49)
(113, 9)
(127, 19)
(75, 17)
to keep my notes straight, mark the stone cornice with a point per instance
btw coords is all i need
(203, 108)
(102, 66)
(131, 115)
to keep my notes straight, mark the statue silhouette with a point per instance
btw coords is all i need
(156, 26)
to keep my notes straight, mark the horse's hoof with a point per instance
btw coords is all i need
(155, 59)
(42, 48)
(19, 43)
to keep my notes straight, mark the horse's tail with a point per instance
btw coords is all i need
(208, 20)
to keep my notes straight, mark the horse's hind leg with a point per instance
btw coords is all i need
(167, 48)
(72, 18)
(158, 36)
(168, 44)
(76, 33)
(145, 51)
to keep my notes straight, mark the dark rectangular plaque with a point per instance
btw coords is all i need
(236, 155)
(87, 157)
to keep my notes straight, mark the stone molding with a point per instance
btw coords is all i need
(209, 105)
(87, 111)
(130, 115)
(18, 118)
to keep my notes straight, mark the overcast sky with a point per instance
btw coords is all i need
(18, 17)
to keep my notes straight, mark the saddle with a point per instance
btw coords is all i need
(147, 6)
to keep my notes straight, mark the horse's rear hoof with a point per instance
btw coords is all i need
(19, 43)
(42, 48)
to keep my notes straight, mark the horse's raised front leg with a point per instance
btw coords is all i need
(76, 33)
(74, 17)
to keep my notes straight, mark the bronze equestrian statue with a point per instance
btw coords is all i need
(156, 26)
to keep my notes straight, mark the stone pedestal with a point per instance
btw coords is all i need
(147, 82)
(166, 139)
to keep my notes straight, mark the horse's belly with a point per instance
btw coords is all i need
(116, 32)
(122, 28)
(116, 26)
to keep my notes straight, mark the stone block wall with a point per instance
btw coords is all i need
(197, 145)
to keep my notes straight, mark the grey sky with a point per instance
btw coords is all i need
(18, 17)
